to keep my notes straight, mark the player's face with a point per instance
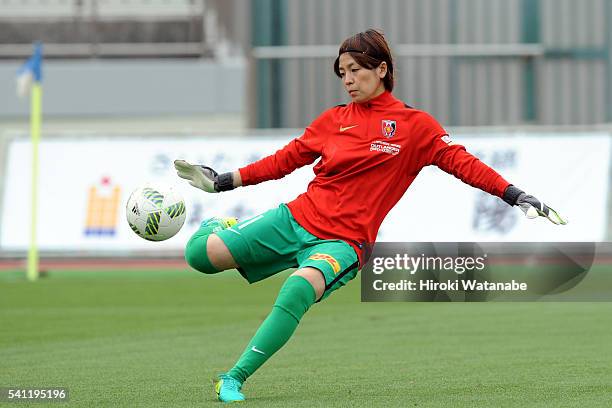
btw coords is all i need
(362, 84)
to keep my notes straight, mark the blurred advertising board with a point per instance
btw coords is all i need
(85, 183)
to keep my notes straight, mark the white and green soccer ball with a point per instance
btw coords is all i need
(155, 213)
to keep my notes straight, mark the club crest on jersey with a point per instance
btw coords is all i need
(388, 128)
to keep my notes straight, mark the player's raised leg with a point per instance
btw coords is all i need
(206, 252)
(299, 292)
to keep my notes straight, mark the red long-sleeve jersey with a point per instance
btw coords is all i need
(370, 154)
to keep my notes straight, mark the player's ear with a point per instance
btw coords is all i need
(381, 70)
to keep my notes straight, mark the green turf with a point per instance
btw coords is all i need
(137, 339)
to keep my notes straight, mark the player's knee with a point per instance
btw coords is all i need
(296, 296)
(196, 255)
(315, 277)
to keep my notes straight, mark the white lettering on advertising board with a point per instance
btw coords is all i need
(84, 185)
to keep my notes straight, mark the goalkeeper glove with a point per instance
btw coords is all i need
(204, 177)
(531, 206)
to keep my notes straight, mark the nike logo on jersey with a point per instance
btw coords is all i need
(342, 129)
(257, 351)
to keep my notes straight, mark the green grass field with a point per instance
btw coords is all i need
(157, 338)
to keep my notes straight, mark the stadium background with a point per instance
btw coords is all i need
(152, 79)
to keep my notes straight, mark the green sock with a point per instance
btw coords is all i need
(294, 299)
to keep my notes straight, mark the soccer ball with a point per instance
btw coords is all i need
(155, 213)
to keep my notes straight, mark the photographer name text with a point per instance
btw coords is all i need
(468, 285)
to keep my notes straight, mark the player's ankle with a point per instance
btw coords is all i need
(237, 374)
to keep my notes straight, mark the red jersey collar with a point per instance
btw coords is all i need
(383, 100)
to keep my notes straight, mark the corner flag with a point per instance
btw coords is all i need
(29, 77)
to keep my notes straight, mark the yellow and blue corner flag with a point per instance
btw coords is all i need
(30, 72)
(29, 78)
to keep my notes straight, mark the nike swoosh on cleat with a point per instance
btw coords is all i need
(257, 351)
(342, 129)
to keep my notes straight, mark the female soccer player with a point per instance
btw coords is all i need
(370, 152)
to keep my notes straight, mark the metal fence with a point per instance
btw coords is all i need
(108, 28)
(468, 62)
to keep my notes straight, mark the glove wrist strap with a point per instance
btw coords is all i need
(511, 194)
(224, 182)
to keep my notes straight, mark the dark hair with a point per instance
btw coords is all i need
(368, 48)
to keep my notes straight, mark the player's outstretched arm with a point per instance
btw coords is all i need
(531, 206)
(207, 179)
(454, 159)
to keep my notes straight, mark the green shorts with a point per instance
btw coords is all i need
(273, 242)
